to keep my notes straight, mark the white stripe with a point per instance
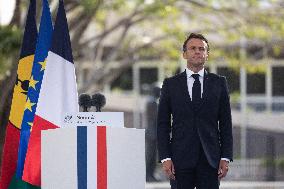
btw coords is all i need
(92, 157)
(59, 159)
(58, 94)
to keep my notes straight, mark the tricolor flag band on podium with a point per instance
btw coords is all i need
(93, 158)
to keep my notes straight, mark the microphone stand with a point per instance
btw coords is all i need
(85, 109)
(98, 108)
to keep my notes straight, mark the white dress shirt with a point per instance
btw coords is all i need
(190, 81)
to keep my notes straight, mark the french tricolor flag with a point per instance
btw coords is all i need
(93, 157)
(58, 95)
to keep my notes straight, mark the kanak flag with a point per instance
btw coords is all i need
(58, 95)
(10, 150)
(34, 88)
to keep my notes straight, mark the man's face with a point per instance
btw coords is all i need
(196, 52)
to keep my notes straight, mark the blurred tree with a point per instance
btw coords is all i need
(10, 38)
(129, 31)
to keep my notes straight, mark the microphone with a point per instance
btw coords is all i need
(98, 100)
(85, 101)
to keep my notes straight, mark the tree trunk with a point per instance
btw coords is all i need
(16, 19)
(6, 88)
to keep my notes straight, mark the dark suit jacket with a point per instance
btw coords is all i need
(182, 128)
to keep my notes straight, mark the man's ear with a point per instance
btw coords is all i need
(207, 56)
(184, 55)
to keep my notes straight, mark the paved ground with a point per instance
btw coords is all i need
(228, 185)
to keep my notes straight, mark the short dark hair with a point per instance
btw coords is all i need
(195, 36)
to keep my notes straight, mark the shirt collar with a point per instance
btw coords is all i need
(189, 73)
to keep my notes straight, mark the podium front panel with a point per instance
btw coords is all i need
(115, 158)
(59, 147)
(126, 156)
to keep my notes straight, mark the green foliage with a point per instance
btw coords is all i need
(279, 162)
(235, 97)
(10, 42)
(223, 22)
(90, 5)
(276, 49)
(100, 17)
(252, 3)
(161, 9)
(259, 32)
(10, 38)
(226, 21)
(170, 50)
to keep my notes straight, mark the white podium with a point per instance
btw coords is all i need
(93, 157)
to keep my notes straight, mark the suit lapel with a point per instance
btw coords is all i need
(184, 88)
(207, 84)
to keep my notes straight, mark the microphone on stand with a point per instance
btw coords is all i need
(98, 100)
(85, 101)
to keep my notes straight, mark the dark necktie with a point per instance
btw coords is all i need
(196, 89)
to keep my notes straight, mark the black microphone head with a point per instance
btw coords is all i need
(85, 100)
(98, 100)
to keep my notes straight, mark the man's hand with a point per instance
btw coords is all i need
(169, 169)
(223, 169)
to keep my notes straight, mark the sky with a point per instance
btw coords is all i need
(6, 11)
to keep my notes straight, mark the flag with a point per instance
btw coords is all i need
(58, 95)
(12, 137)
(42, 47)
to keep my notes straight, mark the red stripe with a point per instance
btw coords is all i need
(10, 155)
(32, 168)
(101, 158)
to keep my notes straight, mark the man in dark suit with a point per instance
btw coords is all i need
(194, 122)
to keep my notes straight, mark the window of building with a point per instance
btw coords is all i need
(124, 81)
(148, 76)
(278, 81)
(256, 83)
(232, 76)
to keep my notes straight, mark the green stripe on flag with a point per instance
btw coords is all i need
(20, 184)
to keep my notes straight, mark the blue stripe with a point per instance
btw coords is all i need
(30, 34)
(82, 157)
(61, 44)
